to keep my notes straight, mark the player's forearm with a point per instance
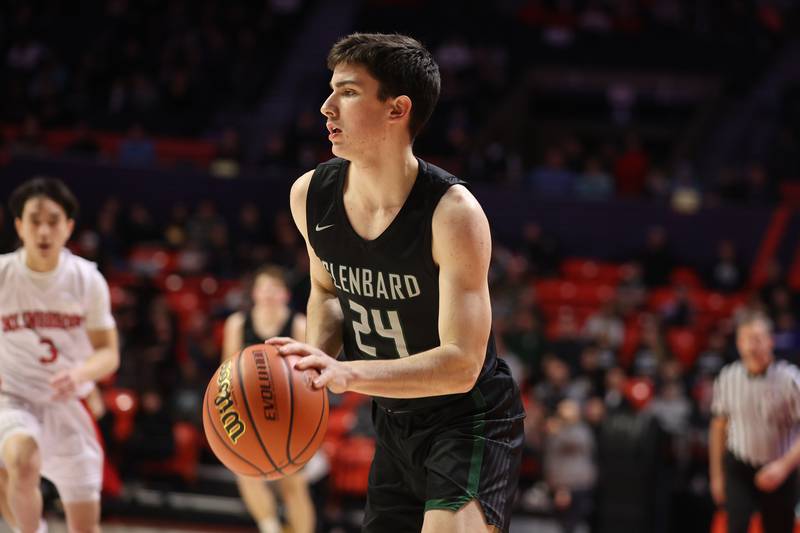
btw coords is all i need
(792, 457)
(101, 364)
(716, 445)
(324, 322)
(443, 370)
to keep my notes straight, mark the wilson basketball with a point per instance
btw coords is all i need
(259, 416)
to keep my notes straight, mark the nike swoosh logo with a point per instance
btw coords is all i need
(320, 228)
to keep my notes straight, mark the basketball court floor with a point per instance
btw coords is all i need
(55, 525)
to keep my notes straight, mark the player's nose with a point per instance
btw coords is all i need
(327, 108)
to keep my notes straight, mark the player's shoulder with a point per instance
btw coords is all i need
(788, 370)
(7, 262)
(730, 371)
(235, 320)
(331, 167)
(81, 266)
(458, 206)
(298, 194)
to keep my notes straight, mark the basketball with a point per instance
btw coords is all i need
(260, 417)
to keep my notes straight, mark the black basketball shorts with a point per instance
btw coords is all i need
(470, 449)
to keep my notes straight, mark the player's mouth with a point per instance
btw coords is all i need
(333, 131)
(44, 247)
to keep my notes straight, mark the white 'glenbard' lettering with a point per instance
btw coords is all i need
(373, 283)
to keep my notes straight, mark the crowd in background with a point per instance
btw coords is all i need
(575, 364)
(155, 70)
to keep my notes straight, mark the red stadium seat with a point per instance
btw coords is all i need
(350, 466)
(123, 404)
(183, 462)
(685, 276)
(684, 345)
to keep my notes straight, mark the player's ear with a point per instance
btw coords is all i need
(70, 227)
(400, 108)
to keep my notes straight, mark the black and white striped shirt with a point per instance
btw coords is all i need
(763, 411)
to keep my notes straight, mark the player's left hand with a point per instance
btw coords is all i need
(65, 384)
(334, 374)
(771, 475)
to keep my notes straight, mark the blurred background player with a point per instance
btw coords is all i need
(269, 316)
(58, 338)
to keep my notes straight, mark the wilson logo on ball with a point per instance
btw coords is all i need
(229, 417)
(265, 385)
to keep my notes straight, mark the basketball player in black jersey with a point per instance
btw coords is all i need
(399, 253)
(269, 316)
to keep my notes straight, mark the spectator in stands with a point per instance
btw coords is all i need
(201, 223)
(137, 149)
(152, 437)
(228, 159)
(760, 189)
(556, 384)
(552, 179)
(567, 341)
(656, 258)
(680, 311)
(30, 142)
(686, 196)
(592, 372)
(594, 183)
(83, 143)
(542, 250)
(657, 186)
(140, 227)
(631, 292)
(630, 168)
(787, 337)
(671, 408)
(726, 273)
(569, 465)
(652, 349)
(524, 337)
(605, 326)
(175, 234)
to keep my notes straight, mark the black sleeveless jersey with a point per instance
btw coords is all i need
(388, 287)
(251, 337)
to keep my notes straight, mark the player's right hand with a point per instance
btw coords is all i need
(718, 489)
(310, 375)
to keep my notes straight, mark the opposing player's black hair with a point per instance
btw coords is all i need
(51, 188)
(402, 66)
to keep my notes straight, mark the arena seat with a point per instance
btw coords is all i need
(684, 345)
(183, 463)
(123, 404)
(350, 466)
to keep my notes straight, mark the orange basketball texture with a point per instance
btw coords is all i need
(259, 416)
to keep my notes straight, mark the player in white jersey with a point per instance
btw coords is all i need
(58, 337)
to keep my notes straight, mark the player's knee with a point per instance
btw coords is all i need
(294, 488)
(22, 460)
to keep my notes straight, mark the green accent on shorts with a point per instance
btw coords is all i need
(475, 463)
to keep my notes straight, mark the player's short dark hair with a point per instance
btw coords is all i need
(51, 188)
(747, 318)
(402, 66)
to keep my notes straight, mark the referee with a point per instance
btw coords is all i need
(753, 444)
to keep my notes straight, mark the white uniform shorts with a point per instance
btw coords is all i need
(72, 457)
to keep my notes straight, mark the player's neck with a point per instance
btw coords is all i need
(40, 264)
(383, 180)
(268, 314)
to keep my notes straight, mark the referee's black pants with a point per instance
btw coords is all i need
(742, 499)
